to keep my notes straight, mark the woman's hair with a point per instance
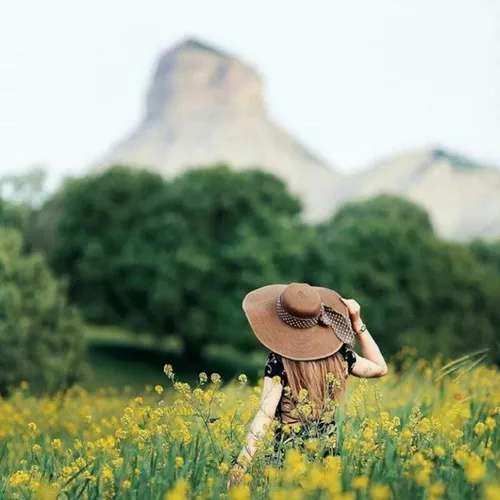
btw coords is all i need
(322, 379)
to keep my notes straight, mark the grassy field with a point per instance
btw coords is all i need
(119, 358)
(424, 433)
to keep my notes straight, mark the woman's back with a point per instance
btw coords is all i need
(311, 332)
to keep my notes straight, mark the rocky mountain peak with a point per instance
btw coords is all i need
(195, 78)
(206, 107)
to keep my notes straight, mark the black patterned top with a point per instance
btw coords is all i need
(274, 366)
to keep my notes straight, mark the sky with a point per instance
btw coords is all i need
(356, 81)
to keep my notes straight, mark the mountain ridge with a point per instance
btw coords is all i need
(205, 106)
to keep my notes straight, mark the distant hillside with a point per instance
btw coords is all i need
(462, 196)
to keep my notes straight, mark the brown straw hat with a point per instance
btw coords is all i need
(299, 321)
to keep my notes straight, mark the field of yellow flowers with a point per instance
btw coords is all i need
(424, 431)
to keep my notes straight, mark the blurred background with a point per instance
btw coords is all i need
(159, 160)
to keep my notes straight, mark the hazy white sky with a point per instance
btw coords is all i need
(354, 80)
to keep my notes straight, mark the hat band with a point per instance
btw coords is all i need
(338, 322)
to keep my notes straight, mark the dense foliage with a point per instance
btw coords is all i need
(41, 337)
(177, 257)
(415, 289)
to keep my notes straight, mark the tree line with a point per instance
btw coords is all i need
(176, 257)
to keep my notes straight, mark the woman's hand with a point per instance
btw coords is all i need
(354, 312)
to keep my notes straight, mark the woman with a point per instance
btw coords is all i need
(310, 332)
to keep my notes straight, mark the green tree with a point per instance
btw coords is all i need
(176, 257)
(111, 236)
(41, 336)
(242, 231)
(13, 215)
(488, 253)
(414, 288)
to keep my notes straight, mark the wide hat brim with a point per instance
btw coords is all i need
(300, 344)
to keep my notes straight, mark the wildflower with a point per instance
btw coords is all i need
(56, 444)
(359, 483)
(19, 478)
(36, 449)
(168, 371)
(242, 379)
(479, 428)
(456, 434)
(32, 427)
(312, 445)
(240, 492)
(422, 476)
(424, 426)
(407, 434)
(107, 473)
(203, 378)
(223, 467)
(492, 492)
(475, 470)
(380, 492)
(368, 434)
(179, 462)
(126, 484)
(271, 473)
(435, 491)
(180, 491)
(158, 389)
(490, 423)
(302, 395)
(215, 378)
(439, 451)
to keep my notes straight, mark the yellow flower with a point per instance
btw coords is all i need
(490, 423)
(203, 377)
(36, 449)
(56, 444)
(312, 445)
(492, 492)
(271, 473)
(479, 428)
(107, 473)
(422, 477)
(215, 378)
(380, 492)
(240, 492)
(435, 491)
(32, 427)
(439, 451)
(179, 462)
(19, 478)
(368, 434)
(407, 434)
(126, 484)
(475, 469)
(168, 371)
(424, 426)
(359, 483)
(243, 379)
(158, 389)
(456, 434)
(223, 467)
(179, 492)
